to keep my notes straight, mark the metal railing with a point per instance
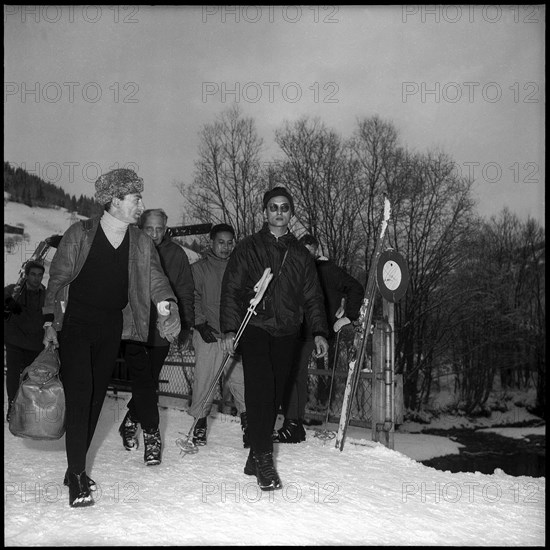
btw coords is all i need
(176, 380)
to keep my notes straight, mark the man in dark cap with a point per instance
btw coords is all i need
(268, 344)
(23, 328)
(103, 278)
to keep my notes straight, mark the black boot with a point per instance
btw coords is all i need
(292, 431)
(199, 433)
(128, 430)
(244, 428)
(91, 483)
(250, 466)
(267, 476)
(153, 447)
(79, 491)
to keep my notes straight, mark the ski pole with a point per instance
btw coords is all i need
(187, 445)
(324, 433)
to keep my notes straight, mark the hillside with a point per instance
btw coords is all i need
(39, 223)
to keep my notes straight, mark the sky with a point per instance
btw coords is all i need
(92, 88)
(367, 494)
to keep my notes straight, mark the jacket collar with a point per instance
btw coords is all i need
(286, 238)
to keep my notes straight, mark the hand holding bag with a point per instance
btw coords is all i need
(38, 410)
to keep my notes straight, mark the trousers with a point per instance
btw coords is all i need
(17, 359)
(144, 365)
(267, 362)
(88, 353)
(208, 360)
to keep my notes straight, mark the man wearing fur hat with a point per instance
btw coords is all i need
(269, 342)
(103, 278)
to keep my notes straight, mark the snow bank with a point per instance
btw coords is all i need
(367, 494)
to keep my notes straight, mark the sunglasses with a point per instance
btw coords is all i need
(284, 207)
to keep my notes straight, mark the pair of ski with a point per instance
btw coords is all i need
(357, 350)
(39, 254)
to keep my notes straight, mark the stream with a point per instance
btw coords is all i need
(484, 451)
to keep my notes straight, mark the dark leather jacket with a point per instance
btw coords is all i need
(293, 291)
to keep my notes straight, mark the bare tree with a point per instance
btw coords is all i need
(320, 173)
(432, 219)
(227, 185)
(500, 320)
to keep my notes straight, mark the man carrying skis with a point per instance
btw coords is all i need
(146, 359)
(338, 288)
(23, 331)
(269, 342)
(207, 339)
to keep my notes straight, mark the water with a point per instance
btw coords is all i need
(484, 452)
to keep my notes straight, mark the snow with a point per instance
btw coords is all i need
(367, 494)
(39, 224)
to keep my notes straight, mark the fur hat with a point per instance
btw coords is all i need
(116, 184)
(278, 192)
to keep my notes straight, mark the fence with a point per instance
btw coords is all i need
(176, 380)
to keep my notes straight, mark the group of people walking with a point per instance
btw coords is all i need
(119, 278)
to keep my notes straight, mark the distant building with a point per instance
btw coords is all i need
(14, 229)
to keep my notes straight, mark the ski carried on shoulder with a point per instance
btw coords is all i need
(362, 329)
(40, 252)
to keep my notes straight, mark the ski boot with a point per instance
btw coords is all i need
(250, 466)
(127, 431)
(292, 431)
(267, 476)
(244, 427)
(199, 433)
(153, 446)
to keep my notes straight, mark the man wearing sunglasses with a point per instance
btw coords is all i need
(269, 342)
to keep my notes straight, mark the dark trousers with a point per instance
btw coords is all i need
(88, 353)
(144, 366)
(17, 359)
(267, 361)
(295, 400)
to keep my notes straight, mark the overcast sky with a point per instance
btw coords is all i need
(89, 88)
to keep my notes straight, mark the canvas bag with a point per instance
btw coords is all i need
(38, 410)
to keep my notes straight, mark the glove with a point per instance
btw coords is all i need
(342, 322)
(341, 310)
(169, 326)
(11, 305)
(207, 333)
(183, 337)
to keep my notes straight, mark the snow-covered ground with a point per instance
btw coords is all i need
(367, 494)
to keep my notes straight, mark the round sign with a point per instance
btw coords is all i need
(392, 275)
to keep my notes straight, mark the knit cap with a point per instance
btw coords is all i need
(278, 192)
